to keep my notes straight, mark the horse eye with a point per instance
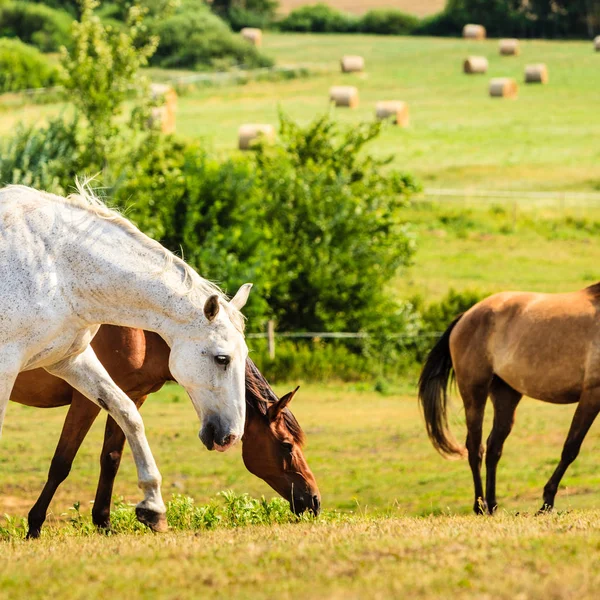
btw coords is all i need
(222, 359)
(287, 446)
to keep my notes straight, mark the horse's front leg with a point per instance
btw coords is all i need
(110, 459)
(87, 374)
(82, 414)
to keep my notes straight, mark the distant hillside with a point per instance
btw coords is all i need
(417, 7)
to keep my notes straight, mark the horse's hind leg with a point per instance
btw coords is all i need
(505, 400)
(86, 374)
(110, 459)
(474, 398)
(585, 413)
(82, 414)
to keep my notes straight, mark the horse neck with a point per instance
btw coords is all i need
(129, 282)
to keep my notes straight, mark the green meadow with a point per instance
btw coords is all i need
(396, 517)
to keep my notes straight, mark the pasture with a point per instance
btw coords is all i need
(459, 137)
(396, 517)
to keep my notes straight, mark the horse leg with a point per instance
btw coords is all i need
(82, 414)
(585, 413)
(86, 374)
(505, 400)
(110, 459)
(474, 399)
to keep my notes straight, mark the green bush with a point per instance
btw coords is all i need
(44, 27)
(195, 38)
(246, 13)
(24, 67)
(388, 22)
(319, 18)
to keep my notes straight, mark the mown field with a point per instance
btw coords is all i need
(458, 138)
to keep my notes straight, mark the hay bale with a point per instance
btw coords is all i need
(474, 32)
(475, 64)
(536, 73)
(163, 114)
(510, 47)
(252, 35)
(503, 87)
(352, 64)
(597, 43)
(250, 134)
(344, 95)
(393, 109)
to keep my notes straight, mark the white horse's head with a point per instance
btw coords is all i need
(210, 365)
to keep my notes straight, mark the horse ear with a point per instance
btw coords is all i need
(277, 407)
(240, 299)
(211, 307)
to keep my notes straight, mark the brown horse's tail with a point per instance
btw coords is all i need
(433, 394)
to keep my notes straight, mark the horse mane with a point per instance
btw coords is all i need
(193, 284)
(259, 395)
(594, 290)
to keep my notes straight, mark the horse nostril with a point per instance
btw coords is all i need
(228, 440)
(316, 504)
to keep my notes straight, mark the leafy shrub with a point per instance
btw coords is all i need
(44, 27)
(438, 315)
(195, 38)
(246, 13)
(388, 22)
(46, 158)
(23, 67)
(319, 18)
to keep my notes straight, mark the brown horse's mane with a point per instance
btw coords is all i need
(594, 290)
(259, 395)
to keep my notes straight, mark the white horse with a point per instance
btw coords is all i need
(70, 264)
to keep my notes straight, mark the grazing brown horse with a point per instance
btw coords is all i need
(138, 362)
(545, 346)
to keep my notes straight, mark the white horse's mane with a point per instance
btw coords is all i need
(194, 286)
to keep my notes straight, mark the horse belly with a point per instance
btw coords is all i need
(545, 365)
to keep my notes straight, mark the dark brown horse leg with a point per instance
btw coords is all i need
(505, 400)
(110, 459)
(82, 414)
(474, 401)
(585, 413)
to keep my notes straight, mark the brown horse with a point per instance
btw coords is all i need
(545, 346)
(138, 362)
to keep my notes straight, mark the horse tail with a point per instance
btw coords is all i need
(433, 394)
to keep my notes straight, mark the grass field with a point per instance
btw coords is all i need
(398, 526)
(396, 517)
(459, 137)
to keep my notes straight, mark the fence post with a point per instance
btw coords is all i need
(271, 338)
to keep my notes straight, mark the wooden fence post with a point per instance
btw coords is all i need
(271, 338)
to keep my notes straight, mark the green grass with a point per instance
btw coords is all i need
(397, 528)
(459, 137)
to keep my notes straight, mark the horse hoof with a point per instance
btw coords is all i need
(33, 534)
(155, 520)
(545, 510)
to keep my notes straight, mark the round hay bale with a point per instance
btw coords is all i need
(510, 47)
(344, 95)
(252, 35)
(250, 134)
(393, 109)
(536, 73)
(474, 32)
(352, 64)
(475, 64)
(164, 113)
(597, 43)
(503, 87)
